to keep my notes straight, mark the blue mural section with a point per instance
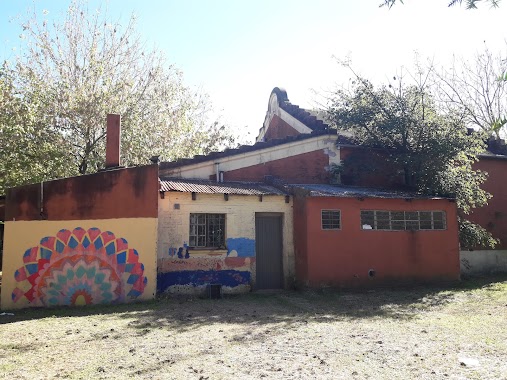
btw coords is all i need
(229, 278)
(181, 252)
(243, 246)
(237, 247)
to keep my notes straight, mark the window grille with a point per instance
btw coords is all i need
(330, 219)
(207, 230)
(402, 220)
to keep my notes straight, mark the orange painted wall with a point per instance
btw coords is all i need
(493, 217)
(344, 257)
(300, 238)
(119, 193)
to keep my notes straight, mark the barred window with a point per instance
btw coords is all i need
(402, 220)
(330, 219)
(207, 230)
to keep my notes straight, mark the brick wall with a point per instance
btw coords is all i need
(303, 168)
(368, 168)
(279, 129)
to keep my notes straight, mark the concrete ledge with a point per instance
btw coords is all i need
(483, 262)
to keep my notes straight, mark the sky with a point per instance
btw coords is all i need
(238, 51)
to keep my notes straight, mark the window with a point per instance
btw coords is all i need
(207, 230)
(402, 220)
(330, 219)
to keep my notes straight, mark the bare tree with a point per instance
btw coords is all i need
(469, 4)
(477, 89)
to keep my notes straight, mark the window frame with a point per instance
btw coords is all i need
(390, 218)
(322, 219)
(222, 224)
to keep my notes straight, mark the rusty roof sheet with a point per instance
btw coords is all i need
(321, 190)
(211, 187)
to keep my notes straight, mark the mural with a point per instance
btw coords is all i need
(241, 247)
(229, 278)
(200, 271)
(79, 267)
(236, 247)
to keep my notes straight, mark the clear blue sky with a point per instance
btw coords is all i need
(237, 51)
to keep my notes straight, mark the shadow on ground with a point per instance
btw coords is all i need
(284, 308)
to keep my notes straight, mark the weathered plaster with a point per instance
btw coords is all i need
(208, 168)
(483, 261)
(237, 262)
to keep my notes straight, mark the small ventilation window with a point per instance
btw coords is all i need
(330, 219)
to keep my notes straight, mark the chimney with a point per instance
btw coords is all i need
(113, 140)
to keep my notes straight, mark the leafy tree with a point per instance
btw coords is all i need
(478, 90)
(30, 150)
(469, 4)
(432, 150)
(75, 71)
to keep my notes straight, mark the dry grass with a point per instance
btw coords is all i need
(416, 333)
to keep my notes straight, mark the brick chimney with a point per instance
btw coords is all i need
(113, 140)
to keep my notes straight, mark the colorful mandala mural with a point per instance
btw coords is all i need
(80, 267)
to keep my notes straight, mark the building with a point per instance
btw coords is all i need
(271, 215)
(341, 235)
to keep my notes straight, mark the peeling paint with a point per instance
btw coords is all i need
(205, 263)
(230, 278)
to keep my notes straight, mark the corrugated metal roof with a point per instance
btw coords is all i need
(318, 190)
(211, 187)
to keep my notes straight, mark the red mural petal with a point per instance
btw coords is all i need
(133, 257)
(17, 294)
(20, 274)
(79, 233)
(93, 233)
(107, 237)
(64, 236)
(32, 258)
(121, 245)
(137, 269)
(48, 242)
(139, 285)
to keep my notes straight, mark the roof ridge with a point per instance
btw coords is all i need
(303, 115)
(245, 148)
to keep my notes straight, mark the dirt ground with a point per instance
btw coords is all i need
(420, 333)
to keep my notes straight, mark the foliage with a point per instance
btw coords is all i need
(472, 235)
(469, 4)
(74, 72)
(477, 90)
(30, 151)
(433, 151)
